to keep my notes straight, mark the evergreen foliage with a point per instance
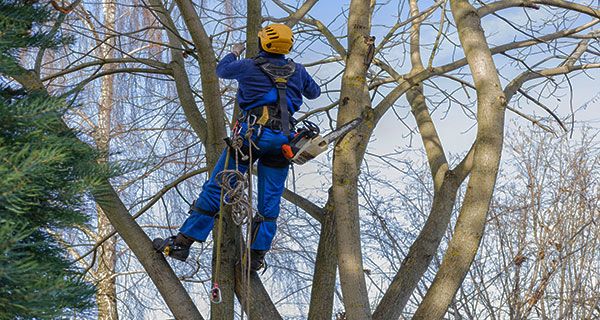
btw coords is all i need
(44, 174)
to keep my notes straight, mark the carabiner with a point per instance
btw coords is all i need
(252, 120)
(215, 294)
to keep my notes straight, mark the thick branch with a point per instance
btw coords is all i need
(348, 155)
(261, 306)
(182, 82)
(304, 204)
(505, 4)
(323, 284)
(446, 185)
(215, 115)
(300, 13)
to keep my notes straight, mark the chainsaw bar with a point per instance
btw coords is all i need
(341, 131)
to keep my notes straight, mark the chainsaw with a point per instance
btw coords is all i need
(308, 143)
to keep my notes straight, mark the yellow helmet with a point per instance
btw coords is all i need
(276, 38)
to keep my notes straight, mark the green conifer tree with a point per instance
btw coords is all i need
(44, 174)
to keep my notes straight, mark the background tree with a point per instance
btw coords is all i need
(44, 174)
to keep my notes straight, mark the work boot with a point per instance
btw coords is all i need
(176, 247)
(257, 259)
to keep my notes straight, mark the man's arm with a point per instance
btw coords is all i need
(311, 89)
(230, 67)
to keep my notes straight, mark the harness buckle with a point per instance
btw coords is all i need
(264, 118)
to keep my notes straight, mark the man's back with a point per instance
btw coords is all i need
(255, 87)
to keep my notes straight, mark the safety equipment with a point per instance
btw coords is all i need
(308, 144)
(176, 247)
(279, 75)
(266, 117)
(276, 38)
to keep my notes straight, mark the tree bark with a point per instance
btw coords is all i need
(215, 116)
(348, 154)
(253, 26)
(261, 305)
(491, 104)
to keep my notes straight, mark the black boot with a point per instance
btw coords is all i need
(176, 247)
(257, 259)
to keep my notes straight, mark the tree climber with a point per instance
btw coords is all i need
(268, 85)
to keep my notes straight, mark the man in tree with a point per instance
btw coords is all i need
(270, 91)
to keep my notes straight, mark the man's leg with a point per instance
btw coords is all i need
(202, 214)
(272, 173)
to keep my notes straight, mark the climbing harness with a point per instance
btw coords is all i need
(279, 75)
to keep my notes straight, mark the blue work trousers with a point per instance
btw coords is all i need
(272, 172)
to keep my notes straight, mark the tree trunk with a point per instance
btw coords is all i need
(252, 26)
(348, 154)
(261, 305)
(106, 290)
(106, 294)
(491, 104)
(323, 284)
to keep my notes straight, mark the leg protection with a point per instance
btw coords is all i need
(258, 251)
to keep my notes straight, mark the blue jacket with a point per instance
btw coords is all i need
(256, 89)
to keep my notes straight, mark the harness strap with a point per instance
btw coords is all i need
(281, 84)
(258, 218)
(279, 75)
(195, 208)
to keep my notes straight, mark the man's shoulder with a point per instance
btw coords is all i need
(247, 60)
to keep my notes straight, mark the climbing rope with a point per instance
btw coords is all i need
(233, 183)
(215, 292)
(249, 216)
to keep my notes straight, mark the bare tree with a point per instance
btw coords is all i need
(541, 250)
